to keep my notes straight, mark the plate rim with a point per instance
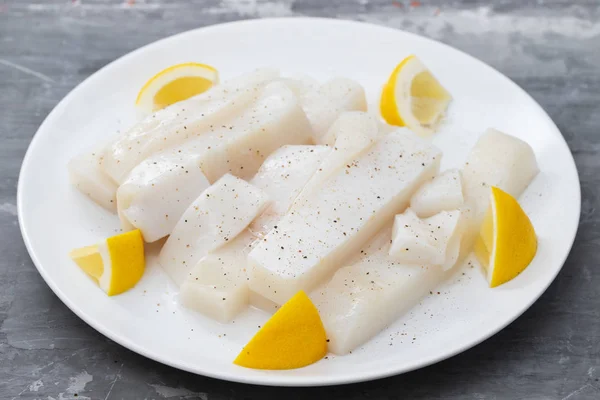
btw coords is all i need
(276, 380)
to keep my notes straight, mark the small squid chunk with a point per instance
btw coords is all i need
(354, 123)
(497, 160)
(312, 241)
(442, 193)
(324, 105)
(157, 192)
(86, 174)
(217, 216)
(431, 241)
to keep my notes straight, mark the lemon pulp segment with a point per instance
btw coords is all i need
(429, 98)
(413, 97)
(180, 89)
(89, 259)
(176, 83)
(507, 241)
(116, 264)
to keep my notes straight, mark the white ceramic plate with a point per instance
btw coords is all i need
(55, 218)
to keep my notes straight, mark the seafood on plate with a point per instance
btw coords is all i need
(288, 195)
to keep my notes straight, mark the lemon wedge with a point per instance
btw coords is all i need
(116, 264)
(176, 83)
(413, 97)
(294, 337)
(507, 242)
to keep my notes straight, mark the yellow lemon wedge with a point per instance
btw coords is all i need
(116, 264)
(294, 337)
(414, 98)
(176, 83)
(507, 242)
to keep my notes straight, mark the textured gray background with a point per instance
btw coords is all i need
(551, 48)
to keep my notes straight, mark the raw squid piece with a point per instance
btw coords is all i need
(312, 241)
(497, 160)
(369, 294)
(217, 216)
(442, 193)
(431, 241)
(157, 192)
(86, 174)
(183, 121)
(351, 123)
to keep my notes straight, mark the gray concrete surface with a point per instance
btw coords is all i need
(549, 47)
